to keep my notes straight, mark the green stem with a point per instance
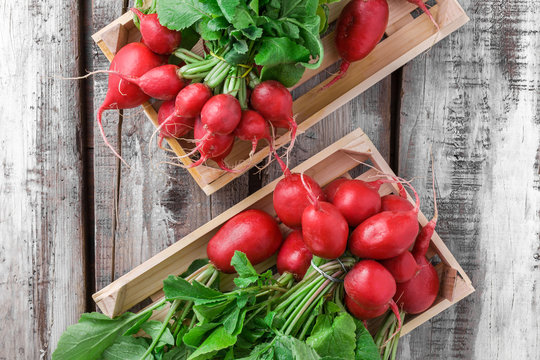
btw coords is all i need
(307, 325)
(170, 314)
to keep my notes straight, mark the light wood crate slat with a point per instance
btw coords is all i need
(407, 37)
(145, 281)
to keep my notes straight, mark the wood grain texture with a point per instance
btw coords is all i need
(474, 98)
(42, 288)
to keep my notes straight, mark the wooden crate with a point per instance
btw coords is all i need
(145, 281)
(408, 34)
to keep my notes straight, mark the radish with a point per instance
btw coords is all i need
(211, 146)
(177, 127)
(291, 197)
(402, 267)
(395, 203)
(370, 286)
(360, 27)
(324, 228)
(253, 127)
(294, 256)
(421, 5)
(133, 60)
(364, 313)
(163, 82)
(330, 189)
(221, 114)
(357, 201)
(157, 37)
(274, 102)
(418, 294)
(191, 99)
(386, 234)
(253, 232)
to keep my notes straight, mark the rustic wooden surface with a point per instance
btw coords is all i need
(72, 220)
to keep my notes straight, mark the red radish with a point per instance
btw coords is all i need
(212, 146)
(294, 256)
(395, 203)
(386, 234)
(291, 197)
(357, 201)
(253, 127)
(134, 60)
(157, 37)
(191, 99)
(421, 5)
(324, 229)
(177, 127)
(402, 267)
(221, 114)
(253, 232)
(274, 102)
(331, 188)
(362, 313)
(360, 27)
(163, 82)
(370, 286)
(419, 293)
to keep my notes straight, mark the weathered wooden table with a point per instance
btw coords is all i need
(72, 219)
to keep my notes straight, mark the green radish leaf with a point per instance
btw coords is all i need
(137, 325)
(334, 338)
(212, 311)
(242, 265)
(280, 50)
(198, 263)
(287, 74)
(153, 328)
(210, 6)
(94, 333)
(288, 347)
(127, 348)
(242, 17)
(252, 32)
(323, 12)
(254, 5)
(195, 336)
(180, 14)
(309, 31)
(219, 339)
(177, 353)
(176, 288)
(272, 9)
(189, 38)
(219, 23)
(299, 8)
(366, 349)
(206, 33)
(228, 8)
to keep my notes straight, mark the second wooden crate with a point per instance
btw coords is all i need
(145, 281)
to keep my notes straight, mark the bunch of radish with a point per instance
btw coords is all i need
(139, 72)
(351, 215)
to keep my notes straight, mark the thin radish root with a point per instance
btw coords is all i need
(395, 310)
(423, 7)
(342, 70)
(102, 131)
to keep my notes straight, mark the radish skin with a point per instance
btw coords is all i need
(253, 232)
(360, 27)
(157, 37)
(132, 60)
(330, 189)
(357, 201)
(175, 128)
(402, 267)
(293, 256)
(395, 203)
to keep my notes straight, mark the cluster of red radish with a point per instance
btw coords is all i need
(347, 214)
(139, 72)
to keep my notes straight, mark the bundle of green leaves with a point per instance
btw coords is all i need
(279, 36)
(262, 318)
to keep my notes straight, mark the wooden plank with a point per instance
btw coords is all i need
(474, 98)
(41, 226)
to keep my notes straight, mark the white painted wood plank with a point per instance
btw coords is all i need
(41, 226)
(475, 98)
